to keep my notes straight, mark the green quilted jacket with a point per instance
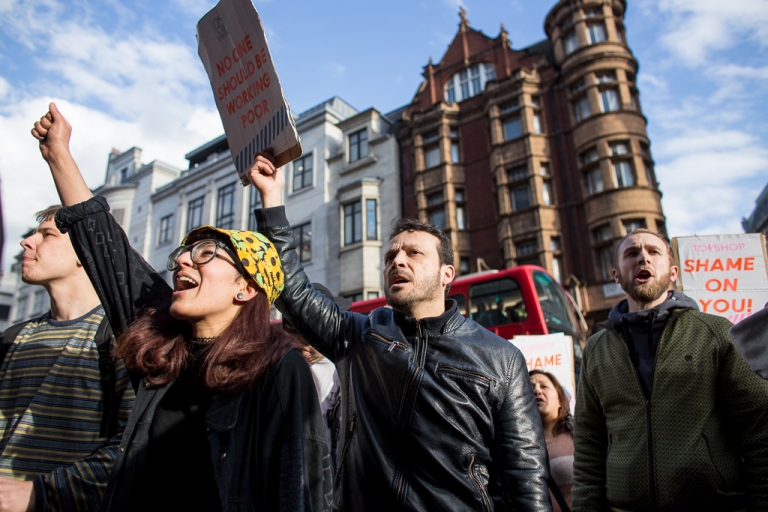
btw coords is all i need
(699, 443)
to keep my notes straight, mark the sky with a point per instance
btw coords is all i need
(126, 73)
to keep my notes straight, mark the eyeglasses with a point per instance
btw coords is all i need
(200, 252)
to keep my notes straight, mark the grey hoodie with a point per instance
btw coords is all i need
(642, 332)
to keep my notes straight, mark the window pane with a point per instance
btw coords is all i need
(520, 198)
(490, 72)
(195, 213)
(437, 218)
(596, 33)
(434, 199)
(594, 181)
(455, 152)
(602, 234)
(373, 295)
(497, 302)
(371, 226)
(464, 81)
(431, 137)
(476, 88)
(358, 221)
(648, 173)
(526, 248)
(619, 148)
(358, 145)
(581, 108)
(459, 195)
(432, 157)
(303, 236)
(556, 270)
(605, 260)
(517, 174)
(512, 128)
(571, 43)
(510, 107)
(589, 156)
(609, 100)
(302, 172)
(225, 217)
(546, 193)
(557, 316)
(450, 92)
(633, 225)
(461, 222)
(536, 123)
(623, 174)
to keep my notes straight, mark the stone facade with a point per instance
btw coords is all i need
(554, 133)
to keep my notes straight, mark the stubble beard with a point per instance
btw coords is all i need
(646, 292)
(422, 290)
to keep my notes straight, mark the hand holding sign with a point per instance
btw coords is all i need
(253, 109)
(268, 179)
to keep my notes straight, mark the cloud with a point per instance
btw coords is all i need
(337, 70)
(118, 89)
(696, 28)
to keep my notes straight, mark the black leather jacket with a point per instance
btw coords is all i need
(440, 412)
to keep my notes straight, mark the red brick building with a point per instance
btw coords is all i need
(538, 155)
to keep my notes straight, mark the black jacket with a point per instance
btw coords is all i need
(440, 414)
(267, 445)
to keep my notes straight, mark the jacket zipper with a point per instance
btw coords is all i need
(651, 475)
(392, 344)
(460, 371)
(421, 355)
(473, 477)
(347, 442)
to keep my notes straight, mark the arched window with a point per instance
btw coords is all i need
(468, 82)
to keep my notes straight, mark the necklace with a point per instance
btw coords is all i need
(205, 340)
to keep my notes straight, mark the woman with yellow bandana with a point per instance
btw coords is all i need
(226, 414)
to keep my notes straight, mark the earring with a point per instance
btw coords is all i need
(240, 296)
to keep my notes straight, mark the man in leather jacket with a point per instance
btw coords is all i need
(439, 412)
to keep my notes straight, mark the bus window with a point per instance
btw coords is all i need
(497, 302)
(461, 302)
(553, 303)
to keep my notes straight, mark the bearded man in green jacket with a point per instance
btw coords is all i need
(668, 416)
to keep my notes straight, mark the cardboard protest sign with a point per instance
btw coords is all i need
(725, 274)
(551, 353)
(256, 116)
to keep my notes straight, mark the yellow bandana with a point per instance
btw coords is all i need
(257, 256)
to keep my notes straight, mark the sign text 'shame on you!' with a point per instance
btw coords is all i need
(724, 274)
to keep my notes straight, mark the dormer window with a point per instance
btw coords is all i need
(469, 82)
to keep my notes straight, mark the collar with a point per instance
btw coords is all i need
(446, 322)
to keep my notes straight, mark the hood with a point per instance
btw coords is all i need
(751, 339)
(675, 300)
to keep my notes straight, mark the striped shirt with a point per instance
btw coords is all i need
(51, 408)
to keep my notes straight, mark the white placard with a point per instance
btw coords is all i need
(725, 274)
(551, 353)
(256, 116)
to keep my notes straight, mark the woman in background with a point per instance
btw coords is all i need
(552, 402)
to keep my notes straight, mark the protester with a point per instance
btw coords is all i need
(62, 410)
(555, 412)
(226, 414)
(751, 339)
(668, 415)
(326, 379)
(442, 416)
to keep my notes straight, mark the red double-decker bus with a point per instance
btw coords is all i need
(510, 302)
